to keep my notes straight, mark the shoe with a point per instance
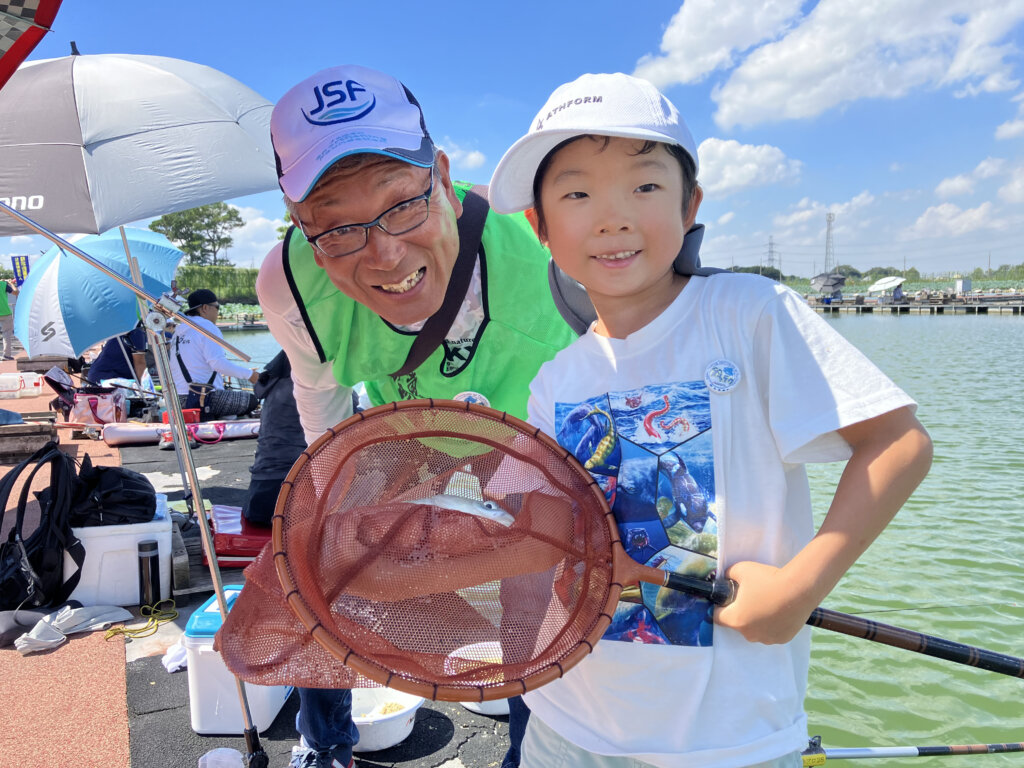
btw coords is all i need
(304, 756)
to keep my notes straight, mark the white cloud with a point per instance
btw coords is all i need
(255, 239)
(725, 218)
(964, 183)
(811, 211)
(1011, 129)
(949, 220)
(955, 186)
(841, 51)
(726, 166)
(989, 167)
(1013, 191)
(705, 35)
(466, 159)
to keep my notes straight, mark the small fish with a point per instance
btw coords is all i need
(491, 510)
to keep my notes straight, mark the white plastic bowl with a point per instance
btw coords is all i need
(377, 731)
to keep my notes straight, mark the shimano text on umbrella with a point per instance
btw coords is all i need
(23, 202)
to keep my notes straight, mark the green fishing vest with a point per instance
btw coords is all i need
(5, 307)
(521, 328)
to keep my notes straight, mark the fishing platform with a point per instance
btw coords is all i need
(930, 306)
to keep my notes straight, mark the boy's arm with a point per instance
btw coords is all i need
(891, 455)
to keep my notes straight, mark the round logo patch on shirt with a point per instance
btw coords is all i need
(472, 397)
(721, 376)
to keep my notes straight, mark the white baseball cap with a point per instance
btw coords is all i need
(593, 104)
(341, 111)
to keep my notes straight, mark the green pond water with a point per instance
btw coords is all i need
(952, 562)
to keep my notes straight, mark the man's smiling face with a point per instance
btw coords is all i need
(402, 278)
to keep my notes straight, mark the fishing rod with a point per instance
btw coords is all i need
(816, 755)
(929, 645)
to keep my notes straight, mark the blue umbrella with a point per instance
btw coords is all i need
(66, 305)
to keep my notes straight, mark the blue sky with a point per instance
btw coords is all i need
(903, 118)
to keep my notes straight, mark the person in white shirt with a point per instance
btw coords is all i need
(694, 401)
(199, 364)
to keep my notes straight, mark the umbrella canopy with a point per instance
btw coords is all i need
(22, 25)
(66, 305)
(88, 143)
(828, 282)
(886, 283)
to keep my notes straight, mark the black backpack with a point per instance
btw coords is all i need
(111, 496)
(32, 569)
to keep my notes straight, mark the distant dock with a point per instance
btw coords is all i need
(970, 306)
(242, 322)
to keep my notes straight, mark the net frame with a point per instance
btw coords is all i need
(621, 568)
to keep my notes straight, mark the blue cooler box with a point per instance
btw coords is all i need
(212, 691)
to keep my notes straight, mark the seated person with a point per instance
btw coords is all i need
(279, 443)
(198, 363)
(113, 360)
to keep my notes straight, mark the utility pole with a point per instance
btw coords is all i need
(771, 253)
(830, 256)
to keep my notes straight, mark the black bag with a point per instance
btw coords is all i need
(197, 397)
(111, 496)
(32, 569)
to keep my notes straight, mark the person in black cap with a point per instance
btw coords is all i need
(199, 364)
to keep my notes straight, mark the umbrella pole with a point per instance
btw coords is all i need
(156, 322)
(257, 758)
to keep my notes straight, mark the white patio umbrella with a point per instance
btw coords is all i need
(886, 283)
(88, 143)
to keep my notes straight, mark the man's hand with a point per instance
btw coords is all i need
(254, 376)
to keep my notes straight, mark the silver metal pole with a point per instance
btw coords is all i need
(155, 323)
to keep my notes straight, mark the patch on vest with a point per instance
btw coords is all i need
(407, 387)
(456, 356)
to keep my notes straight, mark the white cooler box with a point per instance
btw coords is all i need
(212, 692)
(110, 573)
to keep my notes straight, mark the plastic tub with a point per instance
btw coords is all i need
(10, 385)
(31, 384)
(382, 729)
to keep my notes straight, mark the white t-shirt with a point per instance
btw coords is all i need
(697, 426)
(201, 356)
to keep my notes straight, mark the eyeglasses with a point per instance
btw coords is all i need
(215, 305)
(396, 220)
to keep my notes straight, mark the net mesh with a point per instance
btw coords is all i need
(436, 547)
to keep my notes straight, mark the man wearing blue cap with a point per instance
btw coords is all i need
(397, 277)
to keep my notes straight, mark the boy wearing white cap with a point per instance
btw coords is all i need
(396, 277)
(694, 401)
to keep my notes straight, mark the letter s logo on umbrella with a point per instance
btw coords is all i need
(48, 331)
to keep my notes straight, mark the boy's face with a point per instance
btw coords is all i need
(614, 220)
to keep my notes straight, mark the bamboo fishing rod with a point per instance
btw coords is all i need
(929, 645)
(816, 755)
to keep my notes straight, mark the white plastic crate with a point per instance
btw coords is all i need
(110, 573)
(212, 691)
